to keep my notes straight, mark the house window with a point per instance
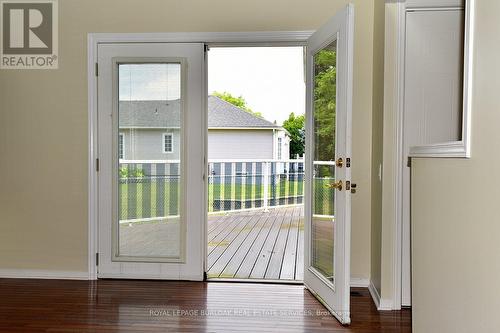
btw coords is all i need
(121, 146)
(279, 148)
(168, 144)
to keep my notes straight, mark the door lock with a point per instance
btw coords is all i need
(339, 163)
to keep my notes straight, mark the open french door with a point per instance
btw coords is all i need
(328, 161)
(151, 113)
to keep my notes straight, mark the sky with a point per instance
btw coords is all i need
(271, 79)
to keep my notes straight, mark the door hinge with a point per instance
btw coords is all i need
(97, 164)
(96, 69)
(348, 162)
(97, 259)
(206, 49)
(205, 276)
(408, 162)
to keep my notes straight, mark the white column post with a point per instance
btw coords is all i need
(265, 172)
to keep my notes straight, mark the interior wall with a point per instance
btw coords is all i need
(455, 220)
(44, 129)
(389, 150)
(377, 143)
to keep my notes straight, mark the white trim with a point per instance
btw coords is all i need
(132, 276)
(93, 154)
(271, 38)
(398, 160)
(455, 149)
(164, 145)
(380, 304)
(374, 293)
(43, 274)
(458, 149)
(433, 4)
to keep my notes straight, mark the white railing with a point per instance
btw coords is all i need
(150, 188)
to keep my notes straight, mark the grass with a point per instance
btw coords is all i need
(156, 198)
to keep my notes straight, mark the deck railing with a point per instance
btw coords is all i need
(150, 189)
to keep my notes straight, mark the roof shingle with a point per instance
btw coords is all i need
(165, 114)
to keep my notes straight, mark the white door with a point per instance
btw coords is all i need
(151, 102)
(328, 158)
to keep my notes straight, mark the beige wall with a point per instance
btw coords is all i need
(455, 220)
(387, 231)
(43, 120)
(377, 142)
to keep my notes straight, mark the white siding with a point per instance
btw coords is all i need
(243, 144)
(147, 144)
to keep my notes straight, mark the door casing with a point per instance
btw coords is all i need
(281, 38)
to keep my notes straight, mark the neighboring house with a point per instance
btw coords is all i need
(149, 130)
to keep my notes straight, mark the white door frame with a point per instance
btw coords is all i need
(394, 136)
(276, 38)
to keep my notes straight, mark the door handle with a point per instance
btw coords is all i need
(337, 185)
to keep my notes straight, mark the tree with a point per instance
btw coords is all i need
(295, 127)
(325, 89)
(236, 101)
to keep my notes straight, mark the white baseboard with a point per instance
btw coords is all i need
(360, 282)
(381, 304)
(43, 274)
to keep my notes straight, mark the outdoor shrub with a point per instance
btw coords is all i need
(131, 173)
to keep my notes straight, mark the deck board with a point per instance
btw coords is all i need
(220, 242)
(274, 265)
(289, 258)
(237, 259)
(252, 255)
(256, 244)
(241, 236)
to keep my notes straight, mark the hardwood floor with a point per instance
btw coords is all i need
(161, 306)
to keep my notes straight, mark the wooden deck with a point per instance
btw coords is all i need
(257, 244)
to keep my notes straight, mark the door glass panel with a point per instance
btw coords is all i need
(149, 151)
(323, 198)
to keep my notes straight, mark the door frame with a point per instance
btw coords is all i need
(270, 38)
(394, 74)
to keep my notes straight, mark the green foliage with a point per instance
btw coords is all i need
(236, 101)
(325, 89)
(295, 127)
(131, 172)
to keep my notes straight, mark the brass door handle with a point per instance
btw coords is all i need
(337, 185)
(339, 163)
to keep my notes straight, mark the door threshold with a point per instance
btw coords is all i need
(271, 281)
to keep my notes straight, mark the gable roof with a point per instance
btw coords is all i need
(165, 114)
(225, 114)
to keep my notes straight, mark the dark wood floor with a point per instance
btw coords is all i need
(160, 306)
